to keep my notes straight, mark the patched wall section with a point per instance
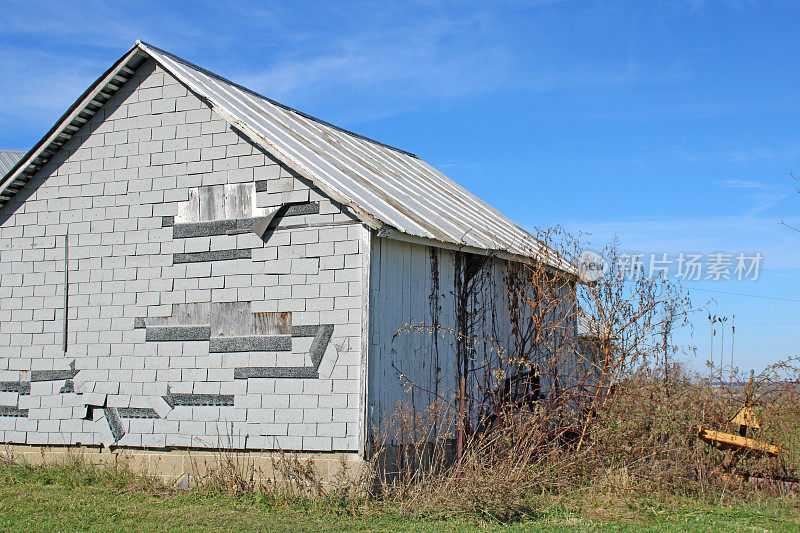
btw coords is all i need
(188, 325)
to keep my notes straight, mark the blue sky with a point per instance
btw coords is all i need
(672, 124)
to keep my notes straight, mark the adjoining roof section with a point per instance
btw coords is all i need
(389, 189)
(9, 158)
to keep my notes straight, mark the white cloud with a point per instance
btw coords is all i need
(779, 245)
(363, 61)
(762, 195)
(404, 63)
(745, 184)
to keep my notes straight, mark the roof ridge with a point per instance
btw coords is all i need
(144, 46)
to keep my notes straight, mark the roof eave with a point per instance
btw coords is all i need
(565, 269)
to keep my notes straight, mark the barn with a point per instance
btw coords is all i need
(186, 265)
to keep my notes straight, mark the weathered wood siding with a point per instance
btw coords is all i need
(413, 284)
(408, 366)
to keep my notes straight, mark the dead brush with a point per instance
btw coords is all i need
(642, 441)
(648, 429)
(497, 473)
(229, 472)
(294, 477)
(234, 472)
(289, 476)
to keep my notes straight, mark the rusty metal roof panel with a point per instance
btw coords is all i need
(9, 158)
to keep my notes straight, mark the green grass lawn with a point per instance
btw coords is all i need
(66, 499)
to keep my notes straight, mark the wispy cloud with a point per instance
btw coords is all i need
(440, 54)
(762, 195)
(52, 52)
(365, 60)
(696, 5)
(391, 67)
(745, 184)
(779, 245)
(95, 24)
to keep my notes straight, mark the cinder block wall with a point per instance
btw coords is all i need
(184, 328)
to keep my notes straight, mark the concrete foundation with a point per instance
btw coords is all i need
(187, 465)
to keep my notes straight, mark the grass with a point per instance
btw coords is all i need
(80, 497)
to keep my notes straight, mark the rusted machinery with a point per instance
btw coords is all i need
(744, 444)
(740, 443)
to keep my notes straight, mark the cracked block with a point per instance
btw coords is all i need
(160, 406)
(95, 399)
(102, 430)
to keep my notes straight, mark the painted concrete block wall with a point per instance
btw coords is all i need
(413, 284)
(184, 327)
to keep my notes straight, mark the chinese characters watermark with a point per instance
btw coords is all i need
(684, 266)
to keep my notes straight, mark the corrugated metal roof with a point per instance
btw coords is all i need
(388, 188)
(387, 184)
(9, 158)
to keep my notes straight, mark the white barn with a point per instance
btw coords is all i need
(185, 264)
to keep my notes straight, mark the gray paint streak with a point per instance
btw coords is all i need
(66, 292)
(198, 399)
(186, 230)
(11, 386)
(304, 331)
(250, 344)
(218, 255)
(52, 375)
(275, 372)
(178, 333)
(311, 208)
(114, 423)
(322, 337)
(137, 412)
(13, 410)
(320, 343)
